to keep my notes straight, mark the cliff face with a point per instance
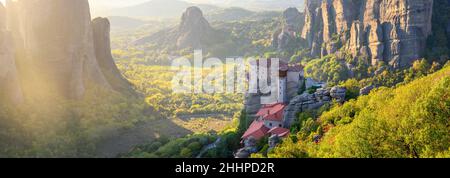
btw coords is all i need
(292, 23)
(102, 44)
(9, 83)
(393, 31)
(55, 48)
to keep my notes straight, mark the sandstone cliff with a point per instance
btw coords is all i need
(55, 47)
(393, 31)
(292, 23)
(194, 31)
(9, 81)
(102, 44)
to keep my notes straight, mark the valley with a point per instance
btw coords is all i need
(356, 79)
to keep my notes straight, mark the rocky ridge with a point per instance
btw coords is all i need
(392, 31)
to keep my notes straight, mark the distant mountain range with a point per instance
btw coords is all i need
(237, 13)
(219, 15)
(174, 8)
(257, 5)
(158, 9)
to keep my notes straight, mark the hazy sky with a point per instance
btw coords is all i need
(103, 5)
(122, 3)
(110, 3)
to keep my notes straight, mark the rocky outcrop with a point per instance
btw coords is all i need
(101, 29)
(393, 31)
(9, 82)
(55, 48)
(307, 102)
(366, 90)
(292, 23)
(338, 93)
(194, 31)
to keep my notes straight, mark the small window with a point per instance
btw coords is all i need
(270, 124)
(279, 125)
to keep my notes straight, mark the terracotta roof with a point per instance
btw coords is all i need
(275, 117)
(257, 130)
(273, 112)
(263, 111)
(281, 132)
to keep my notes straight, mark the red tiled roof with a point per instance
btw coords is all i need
(272, 112)
(257, 130)
(263, 111)
(281, 132)
(274, 117)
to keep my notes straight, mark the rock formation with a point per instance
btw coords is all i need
(366, 90)
(55, 49)
(306, 102)
(292, 23)
(101, 28)
(9, 82)
(393, 31)
(194, 31)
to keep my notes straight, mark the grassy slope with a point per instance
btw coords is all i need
(411, 120)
